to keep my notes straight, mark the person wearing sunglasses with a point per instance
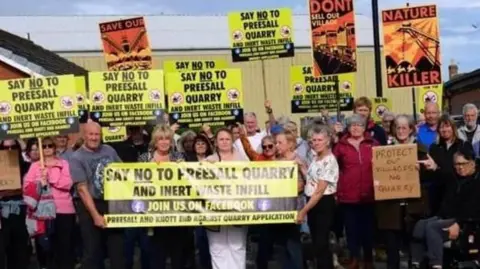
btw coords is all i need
(267, 145)
(460, 204)
(54, 174)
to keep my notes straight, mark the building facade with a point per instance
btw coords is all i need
(461, 89)
(206, 38)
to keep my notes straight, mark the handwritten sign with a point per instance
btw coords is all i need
(394, 172)
(10, 176)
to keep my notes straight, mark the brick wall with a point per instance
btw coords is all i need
(8, 72)
(457, 101)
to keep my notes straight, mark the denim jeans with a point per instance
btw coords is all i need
(201, 241)
(432, 232)
(288, 236)
(140, 236)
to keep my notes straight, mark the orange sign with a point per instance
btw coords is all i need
(126, 45)
(412, 46)
(334, 46)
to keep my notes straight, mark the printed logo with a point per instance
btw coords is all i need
(430, 97)
(98, 97)
(237, 35)
(233, 95)
(177, 98)
(155, 95)
(66, 102)
(346, 86)
(138, 206)
(381, 109)
(264, 205)
(298, 88)
(5, 108)
(285, 31)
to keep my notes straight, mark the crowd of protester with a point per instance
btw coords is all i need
(58, 213)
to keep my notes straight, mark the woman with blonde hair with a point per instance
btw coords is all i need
(228, 244)
(289, 234)
(161, 151)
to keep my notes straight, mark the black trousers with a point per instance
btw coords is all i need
(171, 242)
(14, 253)
(63, 248)
(320, 220)
(94, 237)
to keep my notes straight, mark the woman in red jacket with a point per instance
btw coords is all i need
(355, 189)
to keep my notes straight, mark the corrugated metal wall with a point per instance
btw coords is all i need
(277, 77)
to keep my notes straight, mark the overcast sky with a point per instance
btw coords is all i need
(459, 39)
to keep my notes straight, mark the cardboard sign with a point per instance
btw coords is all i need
(394, 173)
(10, 176)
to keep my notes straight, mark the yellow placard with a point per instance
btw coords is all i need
(82, 98)
(380, 106)
(114, 134)
(194, 193)
(261, 34)
(311, 94)
(202, 219)
(214, 97)
(122, 98)
(38, 107)
(185, 66)
(431, 93)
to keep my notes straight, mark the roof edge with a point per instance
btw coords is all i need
(460, 78)
(18, 66)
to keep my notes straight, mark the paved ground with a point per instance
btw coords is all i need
(275, 264)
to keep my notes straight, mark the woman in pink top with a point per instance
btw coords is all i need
(56, 174)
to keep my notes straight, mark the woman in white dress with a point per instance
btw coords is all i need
(228, 244)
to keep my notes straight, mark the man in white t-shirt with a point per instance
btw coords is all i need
(254, 134)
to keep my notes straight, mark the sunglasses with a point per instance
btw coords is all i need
(264, 147)
(48, 146)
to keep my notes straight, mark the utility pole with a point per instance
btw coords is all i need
(376, 48)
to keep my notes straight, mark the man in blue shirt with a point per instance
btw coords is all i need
(427, 132)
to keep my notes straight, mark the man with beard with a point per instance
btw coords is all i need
(470, 131)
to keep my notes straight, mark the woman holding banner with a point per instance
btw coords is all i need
(289, 234)
(321, 186)
(201, 150)
(54, 173)
(162, 150)
(228, 244)
(395, 216)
